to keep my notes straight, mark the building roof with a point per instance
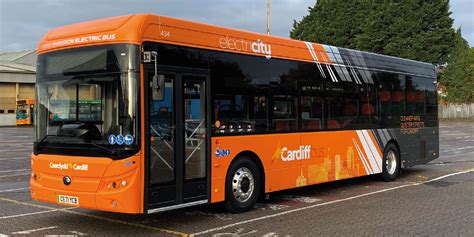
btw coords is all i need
(18, 62)
(12, 56)
(16, 68)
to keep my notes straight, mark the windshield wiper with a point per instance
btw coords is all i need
(112, 153)
(42, 139)
(41, 142)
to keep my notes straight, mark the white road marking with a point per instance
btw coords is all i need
(11, 171)
(7, 159)
(456, 149)
(270, 234)
(26, 214)
(464, 137)
(239, 232)
(34, 213)
(13, 190)
(13, 175)
(326, 203)
(2, 235)
(25, 232)
(77, 232)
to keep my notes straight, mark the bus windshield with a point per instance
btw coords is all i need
(87, 102)
(22, 111)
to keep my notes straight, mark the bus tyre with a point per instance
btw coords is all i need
(243, 184)
(391, 163)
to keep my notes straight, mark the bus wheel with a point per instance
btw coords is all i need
(242, 185)
(391, 163)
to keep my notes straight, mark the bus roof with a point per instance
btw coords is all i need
(139, 28)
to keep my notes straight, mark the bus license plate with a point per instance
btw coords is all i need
(68, 200)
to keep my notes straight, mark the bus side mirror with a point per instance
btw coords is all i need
(158, 87)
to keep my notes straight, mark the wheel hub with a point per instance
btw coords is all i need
(391, 162)
(243, 184)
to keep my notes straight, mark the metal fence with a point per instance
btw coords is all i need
(456, 111)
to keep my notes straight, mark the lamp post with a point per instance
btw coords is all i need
(268, 17)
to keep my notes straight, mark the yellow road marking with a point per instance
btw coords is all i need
(98, 217)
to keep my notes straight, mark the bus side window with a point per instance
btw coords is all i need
(284, 113)
(431, 103)
(410, 105)
(311, 100)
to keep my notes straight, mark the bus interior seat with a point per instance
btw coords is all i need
(312, 124)
(368, 109)
(281, 125)
(420, 97)
(332, 123)
(384, 96)
(349, 111)
(396, 96)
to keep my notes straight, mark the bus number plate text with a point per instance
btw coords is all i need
(68, 200)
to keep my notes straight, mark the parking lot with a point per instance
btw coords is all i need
(432, 199)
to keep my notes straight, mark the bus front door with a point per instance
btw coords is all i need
(177, 142)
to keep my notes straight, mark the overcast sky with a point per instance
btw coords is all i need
(24, 22)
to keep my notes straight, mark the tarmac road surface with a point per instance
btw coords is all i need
(433, 199)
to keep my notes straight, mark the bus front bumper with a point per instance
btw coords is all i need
(119, 190)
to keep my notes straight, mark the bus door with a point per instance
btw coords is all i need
(177, 140)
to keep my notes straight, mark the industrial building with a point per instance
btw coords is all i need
(17, 82)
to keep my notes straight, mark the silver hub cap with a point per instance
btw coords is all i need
(243, 184)
(391, 162)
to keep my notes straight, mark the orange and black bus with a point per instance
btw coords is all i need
(146, 113)
(25, 112)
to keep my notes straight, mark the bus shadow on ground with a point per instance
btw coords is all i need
(278, 201)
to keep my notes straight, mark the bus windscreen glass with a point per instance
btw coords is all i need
(80, 61)
(87, 100)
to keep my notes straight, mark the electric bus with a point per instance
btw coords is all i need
(146, 113)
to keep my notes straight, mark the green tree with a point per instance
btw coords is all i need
(415, 29)
(458, 76)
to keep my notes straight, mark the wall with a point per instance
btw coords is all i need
(7, 119)
(456, 111)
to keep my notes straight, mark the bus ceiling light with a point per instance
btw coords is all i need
(124, 183)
